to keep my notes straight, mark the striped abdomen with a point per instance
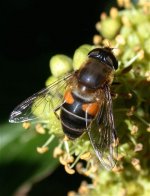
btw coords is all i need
(76, 114)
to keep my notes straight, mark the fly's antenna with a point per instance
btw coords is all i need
(106, 43)
(108, 46)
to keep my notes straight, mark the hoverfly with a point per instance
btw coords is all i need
(85, 104)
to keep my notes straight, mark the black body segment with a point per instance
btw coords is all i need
(74, 119)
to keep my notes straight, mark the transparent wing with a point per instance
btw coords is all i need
(102, 133)
(40, 104)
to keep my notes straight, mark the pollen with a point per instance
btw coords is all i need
(119, 157)
(131, 111)
(62, 161)
(65, 159)
(85, 156)
(147, 75)
(148, 128)
(66, 138)
(124, 3)
(134, 130)
(39, 129)
(79, 167)
(113, 12)
(103, 16)
(136, 163)
(115, 143)
(138, 147)
(97, 39)
(120, 39)
(69, 170)
(71, 193)
(126, 21)
(57, 152)
(26, 125)
(118, 169)
(83, 189)
(141, 54)
(42, 150)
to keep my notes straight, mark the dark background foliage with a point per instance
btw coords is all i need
(31, 32)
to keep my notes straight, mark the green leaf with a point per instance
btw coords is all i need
(19, 161)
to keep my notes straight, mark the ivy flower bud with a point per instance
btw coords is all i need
(51, 80)
(133, 40)
(60, 64)
(146, 46)
(110, 27)
(143, 30)
(80, 55)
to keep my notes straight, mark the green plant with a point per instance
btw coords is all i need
(128, 32)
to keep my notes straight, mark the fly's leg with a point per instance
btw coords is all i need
(56, 109)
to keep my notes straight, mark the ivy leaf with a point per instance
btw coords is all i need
(19, 161)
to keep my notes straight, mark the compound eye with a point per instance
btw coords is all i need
(105, 56)
(109, 61)
(94, 53)
(112, 61)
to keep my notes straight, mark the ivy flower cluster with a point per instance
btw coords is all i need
(126, 30)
